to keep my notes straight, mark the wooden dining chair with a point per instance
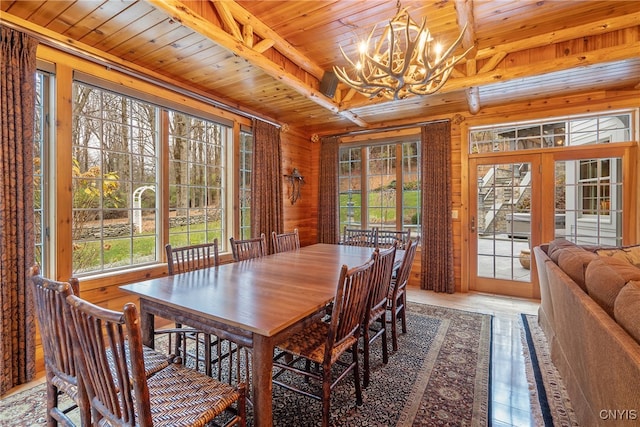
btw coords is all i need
(374, 325)
(60, 367)
(62, 373)
(388, 238)
(285, 241)
(181, 260)
(359, 237)
(121, 394)
(248, 248)
(221, 358)
(397, 298)
(324, 342)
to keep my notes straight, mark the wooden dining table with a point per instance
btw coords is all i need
(255, 303)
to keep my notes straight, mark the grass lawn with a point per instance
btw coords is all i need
(139, 249)
(380, 211)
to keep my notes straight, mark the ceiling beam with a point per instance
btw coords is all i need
(281, 45)
(464, 12)
(181, 13)
(228, 21)
(492, 63)
(473, 99)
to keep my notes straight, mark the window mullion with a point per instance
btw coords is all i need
(399, 185)
(364, 188)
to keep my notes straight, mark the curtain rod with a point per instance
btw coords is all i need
(50, 41)
(386, 129)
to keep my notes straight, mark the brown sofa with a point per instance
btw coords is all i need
(590, 313)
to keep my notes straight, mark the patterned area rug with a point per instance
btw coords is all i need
(550, 404)
(438, 377)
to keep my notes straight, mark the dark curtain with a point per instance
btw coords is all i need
(266, 181)
(328, 224)
(437, 226)
(17, 109)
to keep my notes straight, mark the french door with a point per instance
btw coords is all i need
(517, 202)
(503, 223)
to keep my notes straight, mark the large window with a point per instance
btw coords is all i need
(119, 183)
(379, 186)
(197, 180)
(114, 157)
(40, 143)
(599, 129)
(246, 159)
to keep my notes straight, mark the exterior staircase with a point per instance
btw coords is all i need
(499, 192)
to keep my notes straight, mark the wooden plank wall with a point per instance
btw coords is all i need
(299, 152)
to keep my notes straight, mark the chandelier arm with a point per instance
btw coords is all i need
(410, 47)
(447, 67)
(429, 90)
(378, 82)
(362, 83)
(372, 63)
(385, 34)
(441, 70)
(343, 76)
(455, 45)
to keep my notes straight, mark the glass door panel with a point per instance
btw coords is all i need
(504, 221)
(588, 201)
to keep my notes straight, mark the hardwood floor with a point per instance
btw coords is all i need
(509, 388)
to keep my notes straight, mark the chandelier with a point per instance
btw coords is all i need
(404, 61)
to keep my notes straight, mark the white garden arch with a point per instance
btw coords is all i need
(137, 211)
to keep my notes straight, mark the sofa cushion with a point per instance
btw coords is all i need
(626, 311)
(627, 253)
(556, 245)
(574, 262)
(605, 277)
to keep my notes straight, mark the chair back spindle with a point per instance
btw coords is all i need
(248, 248)
(359, 237)
(349, 305)
(193, 257)
(388, 238)
(397, 298)
(285, 242)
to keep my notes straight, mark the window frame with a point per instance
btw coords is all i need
(363, 211)
(190, 237)
(42, 177)
(59, 169)
(552, 132)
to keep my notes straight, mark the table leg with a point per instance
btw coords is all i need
(147, 326)
(262, 385)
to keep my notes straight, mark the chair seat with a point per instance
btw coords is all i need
(310, 343)
(154, 361)
(180, 396)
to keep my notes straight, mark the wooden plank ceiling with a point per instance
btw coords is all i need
(267, 58)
